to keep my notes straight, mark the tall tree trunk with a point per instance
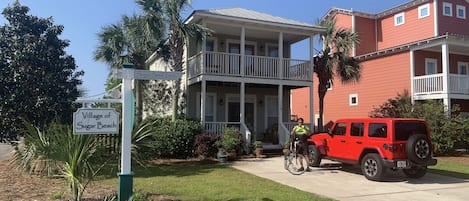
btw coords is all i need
(322, 89)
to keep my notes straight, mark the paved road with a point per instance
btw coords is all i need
(5, 150)
(348, 184)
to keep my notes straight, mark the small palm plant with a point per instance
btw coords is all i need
(58, 152)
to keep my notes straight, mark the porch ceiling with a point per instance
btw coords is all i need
(261, 32)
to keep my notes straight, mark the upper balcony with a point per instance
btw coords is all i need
(433, 84)
(230, 65)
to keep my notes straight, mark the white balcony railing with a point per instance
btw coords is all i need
(433, 84)
(225, 64)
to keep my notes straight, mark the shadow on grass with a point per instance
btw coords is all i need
(178, 169)
(449, 173)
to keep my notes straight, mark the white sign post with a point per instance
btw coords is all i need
(128, 74)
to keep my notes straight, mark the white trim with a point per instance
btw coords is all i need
(430, 60)
(214, 106)
(351, 96)
(435, 18)
(463, 8)
(447, 5)
(421, 8)
(396, 17)
(463, 65)
(331, 85)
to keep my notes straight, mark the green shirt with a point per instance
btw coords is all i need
(301, 130)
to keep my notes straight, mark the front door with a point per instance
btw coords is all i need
(234, 113)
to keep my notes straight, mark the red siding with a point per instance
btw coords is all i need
(413, 29)
(365, 28)
(381, 79)
(453, 24)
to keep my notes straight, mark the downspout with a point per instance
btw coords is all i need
(435, 16)
(353, 31)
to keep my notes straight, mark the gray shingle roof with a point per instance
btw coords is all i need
(253, 15)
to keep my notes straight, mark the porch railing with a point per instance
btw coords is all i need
(433, 84)
(226, 64)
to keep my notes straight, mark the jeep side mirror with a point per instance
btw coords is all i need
(329, 131)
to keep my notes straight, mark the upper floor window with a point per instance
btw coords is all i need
(463, 68)
(460, 12)
(399, 19)
(430, 66)
(424, 11)
(210, 45)
(329, 85)
(353, 99)
(447, 9)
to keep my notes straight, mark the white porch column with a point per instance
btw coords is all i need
(204, 50)
(242, 99)
(412, 76)
(445, 68)
(242, 50)
(203, 96)
(280, 104)
(311, 86)
(280, 55)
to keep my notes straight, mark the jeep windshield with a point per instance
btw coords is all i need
(403, 130)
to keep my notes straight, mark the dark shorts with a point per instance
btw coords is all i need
(302, 146)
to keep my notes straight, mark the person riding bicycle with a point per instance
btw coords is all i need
(300, 132)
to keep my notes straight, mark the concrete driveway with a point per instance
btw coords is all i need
(347, 183)
(5, 150)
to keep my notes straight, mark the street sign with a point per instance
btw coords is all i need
(95, 121)
(145, 74)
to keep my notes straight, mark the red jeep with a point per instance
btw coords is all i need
(377, 145)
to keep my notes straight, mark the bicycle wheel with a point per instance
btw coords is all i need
(296, 164)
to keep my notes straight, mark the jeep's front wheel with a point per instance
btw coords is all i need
(314, 156)
(372, 167)
(415, 172)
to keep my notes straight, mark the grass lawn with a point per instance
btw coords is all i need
(211, 182)
(451, 168)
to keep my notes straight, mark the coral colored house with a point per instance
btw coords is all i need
(421, 46)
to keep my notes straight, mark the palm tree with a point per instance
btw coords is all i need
(133, 40)
(178, 31)
(335, 60)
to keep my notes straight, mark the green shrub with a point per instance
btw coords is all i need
(173, 139)
(229, 140)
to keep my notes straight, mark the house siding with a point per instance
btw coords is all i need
(452, 24)
(365, 28)
(413, 29)
(381, 79)
(453, 61)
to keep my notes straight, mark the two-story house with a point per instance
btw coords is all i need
(421, 46)
(242, 74)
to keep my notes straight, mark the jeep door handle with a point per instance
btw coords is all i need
(342, 141)
(359, 142)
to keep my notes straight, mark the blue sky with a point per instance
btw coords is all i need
(83, 19)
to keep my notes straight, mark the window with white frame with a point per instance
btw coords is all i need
(463, 68)
(447, 9)
(461, 11)
(353, 99)
(430, 66)
(399, 19)
(210, 104)
(424, 11)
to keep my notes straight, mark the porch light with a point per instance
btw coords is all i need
(261, 102)
(220, 102)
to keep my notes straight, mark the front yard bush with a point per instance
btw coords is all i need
(205, 144)
(174, 139)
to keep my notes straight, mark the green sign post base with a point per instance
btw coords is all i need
(125, 186)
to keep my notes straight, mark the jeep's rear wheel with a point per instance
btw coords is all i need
(418, 148)
(372, 167)
(314, 156)
(415, 172)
